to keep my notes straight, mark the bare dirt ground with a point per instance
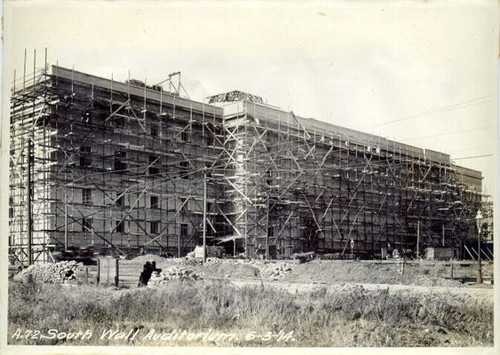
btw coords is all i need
(425, 277)
(424, 273)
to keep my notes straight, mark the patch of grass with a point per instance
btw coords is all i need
(349, 317)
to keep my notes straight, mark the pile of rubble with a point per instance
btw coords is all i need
(161, 278)
(215, 260)
(56, 273)
(276, 271)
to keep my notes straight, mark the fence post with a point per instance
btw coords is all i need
(98, 271)
(108, 268)
(117, 275)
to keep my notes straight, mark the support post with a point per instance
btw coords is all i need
(117, 272)
(418, 239)
(65, 215)
(267, 234)
(29, 202)
(108, 268)
(479, 218)
(205, 215)
(179, 244)
(98, 271)
(479, 266)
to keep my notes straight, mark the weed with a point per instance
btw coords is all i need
(341, 317)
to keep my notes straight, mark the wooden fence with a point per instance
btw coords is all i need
(89, 273)
(119, 272)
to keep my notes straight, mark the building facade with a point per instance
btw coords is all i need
(126, 167)
(117, 166)
(305, 185)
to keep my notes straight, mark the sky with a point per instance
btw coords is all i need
(421, 72)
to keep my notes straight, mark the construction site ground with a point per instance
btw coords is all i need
(324, 302)
(394, 275)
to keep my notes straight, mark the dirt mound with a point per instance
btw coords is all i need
(322, 271)
(333, 271)
(228, 269)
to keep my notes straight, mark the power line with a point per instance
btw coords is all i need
(470, 148)
(476, 101)
(449, 133)
(473, 157)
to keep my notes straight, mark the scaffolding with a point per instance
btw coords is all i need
(300, 185)
(116, 166)
(126, 167)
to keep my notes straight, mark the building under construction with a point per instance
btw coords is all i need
(127, 167)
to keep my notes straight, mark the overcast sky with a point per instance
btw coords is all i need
(423, 73)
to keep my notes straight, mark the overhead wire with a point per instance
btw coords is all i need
(464, 104)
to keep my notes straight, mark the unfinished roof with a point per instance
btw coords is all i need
(135, 89)
(274, 115)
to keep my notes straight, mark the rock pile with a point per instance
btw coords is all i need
(159, 279)
(215, 260)
(187, 261)
(276, 271)
(57, 273)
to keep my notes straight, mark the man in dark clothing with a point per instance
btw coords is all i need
(149, 268)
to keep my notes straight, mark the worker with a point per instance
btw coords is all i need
(145, 274)
(148, 270)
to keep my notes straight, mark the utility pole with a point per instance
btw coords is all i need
(29, 202)
(205, 215)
